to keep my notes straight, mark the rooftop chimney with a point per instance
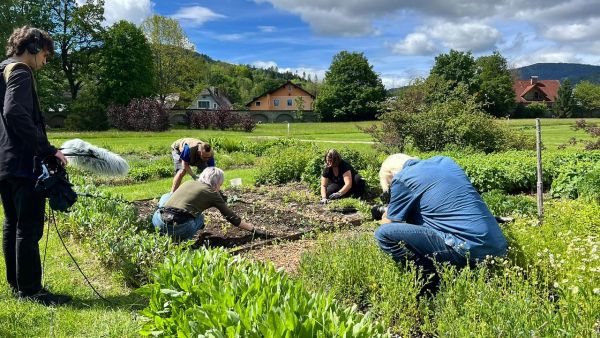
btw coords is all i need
(534, 79)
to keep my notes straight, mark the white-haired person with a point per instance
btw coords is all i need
(340, 179)
(435, 214)
(179, 213)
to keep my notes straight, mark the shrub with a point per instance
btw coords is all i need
(593, 130)
(212, 294)
(458, 122)
(86, 113)
(222, 119)
(139, 115)
(589, 186)
(282, 164)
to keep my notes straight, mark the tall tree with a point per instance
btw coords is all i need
(15, 14)
(495, 84)
(351, 90)
(76, 29)
(587, 96)
(565, 101)
(126, 69)
(457, 68)
(173, 53)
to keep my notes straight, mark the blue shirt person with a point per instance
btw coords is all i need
(435, 214)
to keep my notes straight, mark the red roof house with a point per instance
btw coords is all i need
(534, 90)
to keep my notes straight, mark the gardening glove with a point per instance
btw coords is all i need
(335, 196)
(323, 201)
(257, 233)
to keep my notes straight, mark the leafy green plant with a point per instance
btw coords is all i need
(281, 165)
(213, 294)
(501, 204)
(356, 271)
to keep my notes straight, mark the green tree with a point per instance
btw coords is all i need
(173, 54)
(587, 96)
(495, 84)
(126, 68)
(457, 68)
(76, 29)
(565, 101)
(351, 90)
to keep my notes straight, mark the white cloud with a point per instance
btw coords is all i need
(196, 15)
(415, 44)
(229, 37)
(394, 81)
(543, 55)
(131, 10)
(587, 30)
(466, 36)
(264, 64)
(267, 29)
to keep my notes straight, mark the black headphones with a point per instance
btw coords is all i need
(35, 46)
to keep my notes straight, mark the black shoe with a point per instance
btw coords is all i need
(47, 298)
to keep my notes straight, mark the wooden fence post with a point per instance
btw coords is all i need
(540, 181)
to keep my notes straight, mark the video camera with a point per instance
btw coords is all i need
(378, 210)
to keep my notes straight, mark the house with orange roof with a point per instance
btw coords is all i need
(285, 97)
(534, 90)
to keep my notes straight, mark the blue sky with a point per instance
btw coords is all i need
(399, 37)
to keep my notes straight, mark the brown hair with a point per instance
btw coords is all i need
(335, 157)
(23, 36)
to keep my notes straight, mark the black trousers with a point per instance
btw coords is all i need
(23, 228)
(357, 190)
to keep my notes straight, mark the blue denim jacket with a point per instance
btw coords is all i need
(438, 194)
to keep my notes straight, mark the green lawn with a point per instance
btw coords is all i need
(87, 316)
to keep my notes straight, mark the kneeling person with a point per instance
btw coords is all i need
(435, 214)
(179, 214)
(339, 179)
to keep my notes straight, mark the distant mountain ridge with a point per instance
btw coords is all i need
(575, 72)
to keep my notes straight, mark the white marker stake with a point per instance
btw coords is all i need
(288, 129)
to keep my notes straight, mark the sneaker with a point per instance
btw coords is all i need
(46, 297)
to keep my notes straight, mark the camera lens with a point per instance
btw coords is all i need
(377, 212)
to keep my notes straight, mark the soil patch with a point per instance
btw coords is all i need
(285, 212)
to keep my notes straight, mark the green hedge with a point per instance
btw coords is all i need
(209, 293)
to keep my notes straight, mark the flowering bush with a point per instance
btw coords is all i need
(222, 119)
(139, 115)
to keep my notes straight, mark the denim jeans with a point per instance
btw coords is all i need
(417, 243)
(179, 232)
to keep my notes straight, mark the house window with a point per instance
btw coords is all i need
(203, 104)
(290, 102)
(289, 87)
(536, 95)
(257, 103)
(276, 102)
(214, 106)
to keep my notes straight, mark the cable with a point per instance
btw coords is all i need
(75, 261)
(45, 250)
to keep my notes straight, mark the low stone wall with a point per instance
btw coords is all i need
(260, 116)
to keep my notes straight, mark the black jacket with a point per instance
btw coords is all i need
(23, 138)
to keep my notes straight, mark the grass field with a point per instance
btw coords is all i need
(91, 317)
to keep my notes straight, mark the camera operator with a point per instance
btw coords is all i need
(435, 214)
(23, 144)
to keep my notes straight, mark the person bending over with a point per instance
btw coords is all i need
(188, 152)
(179, 214)
(435, 214)
(339, 179)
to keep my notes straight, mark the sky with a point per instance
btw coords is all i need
(400, 38)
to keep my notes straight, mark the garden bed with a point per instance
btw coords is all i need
(286, 212)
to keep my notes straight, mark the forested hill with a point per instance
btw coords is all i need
(560, 71)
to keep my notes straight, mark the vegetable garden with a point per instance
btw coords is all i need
(343, 286)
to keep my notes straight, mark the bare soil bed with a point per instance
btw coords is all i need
(286, 212)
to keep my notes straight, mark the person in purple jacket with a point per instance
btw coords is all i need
(23, 145)
(435, 215)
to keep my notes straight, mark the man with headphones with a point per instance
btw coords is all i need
(23, 144)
